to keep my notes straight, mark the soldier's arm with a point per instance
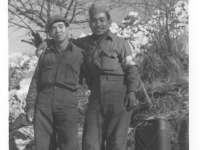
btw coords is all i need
(48, 42)
(81, 76)
(130, 68)
(80, 42)
(34, 86)
(86, 74)
(88, 77)
(43, 46)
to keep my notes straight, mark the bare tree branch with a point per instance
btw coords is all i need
(42, 7)
(37, 15)
(19, 25)
(22, 20)
(49, 8)
(68, 8)
(73, 14)
(80, 22)
(27, 42)
(22, 4)
(24, 13)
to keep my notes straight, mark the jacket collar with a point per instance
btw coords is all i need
(111, 35)
(70, 46)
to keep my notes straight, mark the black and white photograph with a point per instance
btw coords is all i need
(100, 75)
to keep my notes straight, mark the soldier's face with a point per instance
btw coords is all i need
(58, 31)
(99, 23)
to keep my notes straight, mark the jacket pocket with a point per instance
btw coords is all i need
(47, 73)
(71, 74)
(109, 61)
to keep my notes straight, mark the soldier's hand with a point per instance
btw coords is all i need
(41, 48)
(130, 101)
(30, 115)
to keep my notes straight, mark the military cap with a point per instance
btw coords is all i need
(56, 18)
(95, 9)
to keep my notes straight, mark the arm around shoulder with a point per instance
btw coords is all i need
(43, 46)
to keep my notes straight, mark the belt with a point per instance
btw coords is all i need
(57, 87)
(109, 77)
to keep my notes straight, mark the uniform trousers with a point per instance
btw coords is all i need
(55, 120)
(107, 120)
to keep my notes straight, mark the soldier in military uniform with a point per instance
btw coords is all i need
(113, 79)
(50, 99)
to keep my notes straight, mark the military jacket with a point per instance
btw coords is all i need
(54, 68)
(112, 56)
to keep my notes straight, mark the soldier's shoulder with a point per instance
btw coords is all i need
(120, 39)
(81, 42)
(43, 53)
(116, 38)
(77, 48)
(83, 38)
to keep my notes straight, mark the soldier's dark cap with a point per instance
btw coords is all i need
(56, 18)
(95, 9)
